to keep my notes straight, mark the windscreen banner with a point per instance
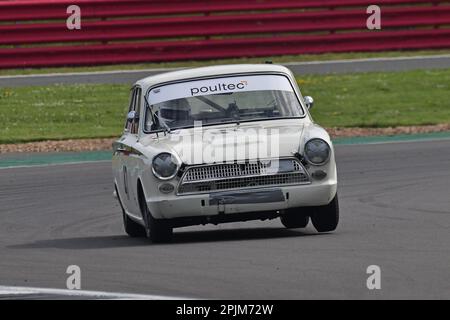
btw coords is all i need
(219, 86)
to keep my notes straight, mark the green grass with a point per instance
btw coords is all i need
(62, 112)
(353, 100)
(277, 59)
(380, 99)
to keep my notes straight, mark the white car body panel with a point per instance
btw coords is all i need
(142, 147)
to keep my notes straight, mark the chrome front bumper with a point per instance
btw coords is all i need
(247, 200)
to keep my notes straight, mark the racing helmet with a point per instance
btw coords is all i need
(174, 110)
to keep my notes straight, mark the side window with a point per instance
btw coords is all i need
(128, 124)
(132, 126)
(137, 108)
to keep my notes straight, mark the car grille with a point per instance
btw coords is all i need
(219, 177)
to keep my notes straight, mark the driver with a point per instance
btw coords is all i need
(174, 111)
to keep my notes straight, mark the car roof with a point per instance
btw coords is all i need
(210, 71)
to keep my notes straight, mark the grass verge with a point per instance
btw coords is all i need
(380, 99)
(352, 100)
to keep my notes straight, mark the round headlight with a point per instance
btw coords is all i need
(164, 166)
(317, 151)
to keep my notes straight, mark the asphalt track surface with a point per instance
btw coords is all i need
(395, 213)
(319, 67)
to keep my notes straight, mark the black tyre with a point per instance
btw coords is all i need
(157, 230)
(294, 218)
(132, 228)
(326, 218)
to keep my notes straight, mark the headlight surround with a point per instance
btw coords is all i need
(165, 166)
(317, 152)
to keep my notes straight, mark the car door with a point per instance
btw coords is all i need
(124, 152)
(133, 157)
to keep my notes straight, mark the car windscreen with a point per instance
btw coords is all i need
(221, 100)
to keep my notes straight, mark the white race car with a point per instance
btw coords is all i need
(222, 144)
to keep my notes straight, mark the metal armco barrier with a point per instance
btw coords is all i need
(128, 31)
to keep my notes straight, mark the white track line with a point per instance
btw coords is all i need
(342, 61)
(367, 60)
(15, 291)
(86, 73)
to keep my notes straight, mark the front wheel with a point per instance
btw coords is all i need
(157, 230)
(326, 218)
(293, 219)
(133, 229)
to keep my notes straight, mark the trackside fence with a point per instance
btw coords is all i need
(35, 33)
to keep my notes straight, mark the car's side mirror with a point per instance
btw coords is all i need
(132, 115)
(309, 101)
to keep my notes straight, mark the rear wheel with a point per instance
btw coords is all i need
(326, 218)
(132, 228)
(157, 230)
